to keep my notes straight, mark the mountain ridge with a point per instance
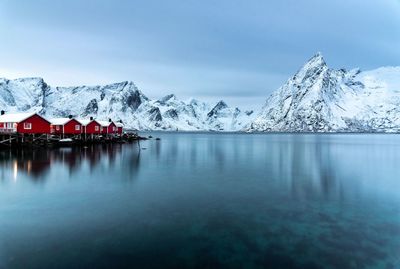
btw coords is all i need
(119, 101)
(316, 98)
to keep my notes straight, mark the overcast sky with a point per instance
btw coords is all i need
(237, 50)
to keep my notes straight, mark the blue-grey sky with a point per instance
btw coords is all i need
(238, 50)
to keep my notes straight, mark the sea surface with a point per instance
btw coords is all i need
(205, 200)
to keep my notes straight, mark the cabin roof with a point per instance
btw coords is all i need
(118, 124)
(105, 123)
(85, 122)
(60, 121)
(15, 117)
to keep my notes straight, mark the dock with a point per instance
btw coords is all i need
(45, 140)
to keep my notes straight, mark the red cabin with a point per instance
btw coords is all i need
(120, 128)
(108, 127)
(90, 126)
(67, 126)
(24, 123)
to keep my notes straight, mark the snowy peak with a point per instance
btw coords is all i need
(314, 68)
(169, 97)
(315, 61)
(31, 92)
(217, 108)
(131, 97)
(320, 99)
(221, 116)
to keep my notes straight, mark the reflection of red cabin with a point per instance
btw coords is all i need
(90, 126)
(65, 126)
(108, 127)
(24, 123)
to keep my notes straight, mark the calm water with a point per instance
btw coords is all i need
(205, 201)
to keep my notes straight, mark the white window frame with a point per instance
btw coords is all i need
(58, 127)
(96, 128)
(77, 127)
(27, 125)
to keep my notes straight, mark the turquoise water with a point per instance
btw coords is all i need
(205, 201)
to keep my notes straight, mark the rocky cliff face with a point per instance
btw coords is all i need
(320, 99)
(119, 101)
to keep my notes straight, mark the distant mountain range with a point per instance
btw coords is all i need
(120, 101)
(316, 99)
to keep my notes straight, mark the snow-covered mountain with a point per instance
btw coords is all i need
(320, 99)
(119, 101)
(316, 99)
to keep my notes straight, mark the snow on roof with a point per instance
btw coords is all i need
(119, 124)
(15, 117)
(59, 121)
(84, 122)
(104, 123)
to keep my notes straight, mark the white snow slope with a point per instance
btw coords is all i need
(320, 99)
(119, 101)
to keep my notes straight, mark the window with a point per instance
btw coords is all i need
(96, 128)
(27, 125)
(114, 128)
(57, 127)
(77, 127)
(9, 125)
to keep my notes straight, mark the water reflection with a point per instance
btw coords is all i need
(35, 164)
(307, 165)
(205, 200)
